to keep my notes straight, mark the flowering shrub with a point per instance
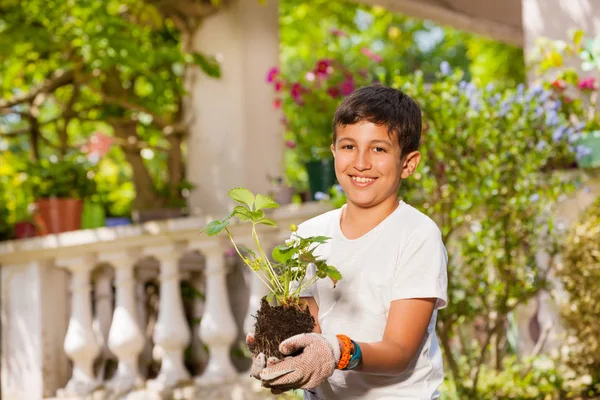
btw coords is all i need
(575, 84)
(310, 95)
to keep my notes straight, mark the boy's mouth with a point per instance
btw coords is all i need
(362, 180)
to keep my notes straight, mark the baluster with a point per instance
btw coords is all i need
(125, 338)
(171, 332)
(80, 341)
(144, 275)
(102, 279)
(217, 328)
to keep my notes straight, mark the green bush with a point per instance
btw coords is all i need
(71, 177)
(580, 276)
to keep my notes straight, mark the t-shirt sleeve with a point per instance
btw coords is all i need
(421, 268)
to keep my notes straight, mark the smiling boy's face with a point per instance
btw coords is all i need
(368, 164)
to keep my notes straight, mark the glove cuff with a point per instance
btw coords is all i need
(335, 346)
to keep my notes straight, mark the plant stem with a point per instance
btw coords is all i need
(270, 287)
(266, 259)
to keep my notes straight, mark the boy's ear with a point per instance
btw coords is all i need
(332, 147)
(410, 164)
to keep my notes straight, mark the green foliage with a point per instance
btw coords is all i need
(68, 69)
(285, 277)
(486, 178)
(579, 274)
(71, 177)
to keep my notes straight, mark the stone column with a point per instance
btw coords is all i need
(125, 339)
(35, 313)
(236, 136)
(171, 333)
(217, 328)
(80, 342)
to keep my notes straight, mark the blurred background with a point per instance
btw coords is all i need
(124, 123)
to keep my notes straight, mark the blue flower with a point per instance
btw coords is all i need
(582, 151)
(552, 118)
(462, 85)
(490, 87)
(559, 133)
(580, 126)
(321, 196)
(445, 68)
(520, 88)
(338, 188)
(539, 111)
(534, 197)
(541, 145)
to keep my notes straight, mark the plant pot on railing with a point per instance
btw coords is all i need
(59, 215)
(591, 143)
(321, 175)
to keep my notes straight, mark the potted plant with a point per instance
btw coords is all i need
(309, 96)
(59, 188)
(282, 314)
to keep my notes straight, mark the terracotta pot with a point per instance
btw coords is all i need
(59, 215)
(24, 230)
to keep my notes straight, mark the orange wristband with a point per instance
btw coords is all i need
(345, 357)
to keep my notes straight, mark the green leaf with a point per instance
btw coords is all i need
(333, 273)
(263, 201)
(242, 213)
(209, 65)
(266, 221)
(242, 196)
(282, 254)
(215, 227)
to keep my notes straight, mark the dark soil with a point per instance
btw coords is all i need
(274, 324)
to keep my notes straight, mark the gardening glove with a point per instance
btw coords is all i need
(319, 357)
(259, 361)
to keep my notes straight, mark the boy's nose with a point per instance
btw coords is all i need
(362, 161)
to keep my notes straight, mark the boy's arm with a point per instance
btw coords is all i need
(406, 327)
(314, 311)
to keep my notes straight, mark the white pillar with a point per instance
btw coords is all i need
(217, 328)
(80, 342)
(35, 314)
(125, 339)
(171, 332)
(235, 122)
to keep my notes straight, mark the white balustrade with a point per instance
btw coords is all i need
(80, 342)
(171, 332)
(125, 338)
(124, 249)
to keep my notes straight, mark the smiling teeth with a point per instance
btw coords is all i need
(362, 180)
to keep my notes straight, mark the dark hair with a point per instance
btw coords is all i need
(383, 105)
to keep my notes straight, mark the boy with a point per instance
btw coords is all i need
(393, 264)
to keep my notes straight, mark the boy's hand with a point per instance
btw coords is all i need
(307, 370)
(259, 362)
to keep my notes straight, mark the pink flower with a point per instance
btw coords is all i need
(333, 92)
(290, 144)
(347, 86)
(337, 32)
(296, 92)
(372, 55)
(230, 252)
(587, 84)
(277, 104)
(322, 68)
(273, 72)
(278, 86)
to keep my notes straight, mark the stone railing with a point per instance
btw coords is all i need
(75, 304)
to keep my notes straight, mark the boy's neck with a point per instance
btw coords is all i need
(357, 221)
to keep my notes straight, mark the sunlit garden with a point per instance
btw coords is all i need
(94, 129)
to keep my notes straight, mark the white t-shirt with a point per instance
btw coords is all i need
(401, 258)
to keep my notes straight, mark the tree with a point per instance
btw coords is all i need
(66, 67)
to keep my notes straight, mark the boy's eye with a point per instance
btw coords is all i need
(379, 150)
(347, 147)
